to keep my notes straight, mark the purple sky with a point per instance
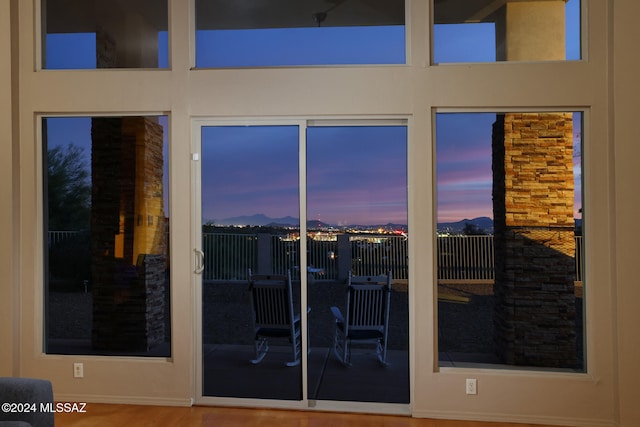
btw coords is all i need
(357, 175)
(249, 170)
(354, 174)
(463, 166)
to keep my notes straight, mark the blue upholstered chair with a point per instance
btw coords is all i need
(31, 391)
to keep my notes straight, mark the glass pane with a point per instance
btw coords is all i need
(82, 34)
(107, 227)
(510, 270)
(294, 32)
(250, 216)
(357, 224)
(488, 31)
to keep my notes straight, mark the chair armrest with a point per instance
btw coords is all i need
(337, 314)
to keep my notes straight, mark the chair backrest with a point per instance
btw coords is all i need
(271, 300)
(368, 301)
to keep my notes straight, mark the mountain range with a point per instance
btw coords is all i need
(257, 219)
(482, 223)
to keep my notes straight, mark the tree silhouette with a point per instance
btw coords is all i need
(471, 229)
(68, 189)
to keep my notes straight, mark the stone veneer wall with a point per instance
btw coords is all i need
(152, 272)
(128, 234)
(533, 197)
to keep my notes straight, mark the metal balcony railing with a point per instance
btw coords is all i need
(228, 257)
(374, 255)
(465, 258)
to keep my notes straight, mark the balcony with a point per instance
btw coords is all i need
(461, 259)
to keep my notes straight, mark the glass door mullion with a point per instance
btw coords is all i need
(302, 162)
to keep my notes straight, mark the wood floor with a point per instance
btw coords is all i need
(110, 415)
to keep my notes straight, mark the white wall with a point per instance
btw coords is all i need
(7, 283)
(415, 90)
(626, 204)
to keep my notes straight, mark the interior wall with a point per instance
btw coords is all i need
(626, 203)
(414, 90)
(7, 289)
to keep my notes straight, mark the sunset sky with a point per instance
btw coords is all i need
(355, 175)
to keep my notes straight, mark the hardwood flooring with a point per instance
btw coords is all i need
(116, 415)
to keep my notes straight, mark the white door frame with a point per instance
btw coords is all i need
(196, 238)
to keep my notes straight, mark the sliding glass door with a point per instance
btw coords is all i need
(357, 224)
(250, 222)
(313, 202)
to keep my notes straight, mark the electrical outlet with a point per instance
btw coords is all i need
(472, 386)
(78, 370)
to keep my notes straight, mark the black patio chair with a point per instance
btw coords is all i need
(272, 314)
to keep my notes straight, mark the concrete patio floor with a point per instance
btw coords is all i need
(227, 372)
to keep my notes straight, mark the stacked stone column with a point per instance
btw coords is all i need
(533, 196)
(128, 234)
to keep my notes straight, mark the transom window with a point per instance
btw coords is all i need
(489, 31)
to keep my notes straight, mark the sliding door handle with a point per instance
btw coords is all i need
(199, 257)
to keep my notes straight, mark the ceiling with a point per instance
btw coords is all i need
(70, 16)
(459, 11)
(221, 14)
